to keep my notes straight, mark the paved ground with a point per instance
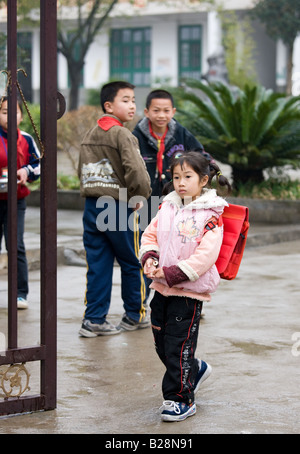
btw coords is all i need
(112, 385)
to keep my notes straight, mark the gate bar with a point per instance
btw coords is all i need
(49, 200)
(23, 355)
(12, 338)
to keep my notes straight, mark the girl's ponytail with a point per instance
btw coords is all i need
(215, 171)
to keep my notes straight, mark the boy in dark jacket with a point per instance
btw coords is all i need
(160, 136)
(112, 174)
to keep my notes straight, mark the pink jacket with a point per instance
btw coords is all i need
(175, 234)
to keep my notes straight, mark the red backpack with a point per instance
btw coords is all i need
(235, 220)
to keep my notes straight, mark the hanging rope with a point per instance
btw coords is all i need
(8, 83)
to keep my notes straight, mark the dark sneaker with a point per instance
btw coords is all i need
(176, 411)
(203, 373)
(128, 324)
(89, 329)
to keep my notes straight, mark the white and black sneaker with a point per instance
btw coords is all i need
(176, 411)
(128, 324)
(89, 329)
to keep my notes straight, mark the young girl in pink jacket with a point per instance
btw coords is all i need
(178, 251)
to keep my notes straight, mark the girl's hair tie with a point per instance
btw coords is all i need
(219, 173)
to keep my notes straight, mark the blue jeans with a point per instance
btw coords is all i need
(22, 267)
(120, 241)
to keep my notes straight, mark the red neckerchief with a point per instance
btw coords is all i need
(107, 122)
(161, 148)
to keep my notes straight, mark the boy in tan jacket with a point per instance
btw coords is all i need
(113, 178)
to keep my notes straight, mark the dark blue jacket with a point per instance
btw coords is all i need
(178, 139)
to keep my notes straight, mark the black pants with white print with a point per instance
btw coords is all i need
(175, 325)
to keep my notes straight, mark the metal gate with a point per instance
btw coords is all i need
(14, 359)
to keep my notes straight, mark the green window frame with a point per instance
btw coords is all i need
(130, 55)
(190, 51)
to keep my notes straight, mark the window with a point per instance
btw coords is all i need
(130, 55)
(190, 51)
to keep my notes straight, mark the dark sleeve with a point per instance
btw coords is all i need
(149, 254)
(174, 275)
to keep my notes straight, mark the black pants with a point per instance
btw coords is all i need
(22, 266)
(175, 325)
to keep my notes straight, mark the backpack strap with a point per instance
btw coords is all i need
(212, 223)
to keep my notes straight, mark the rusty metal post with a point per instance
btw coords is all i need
(49, 199)
(12, 172)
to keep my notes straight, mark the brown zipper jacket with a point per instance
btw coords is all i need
(110, 160)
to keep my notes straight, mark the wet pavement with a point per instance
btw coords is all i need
(250, 335)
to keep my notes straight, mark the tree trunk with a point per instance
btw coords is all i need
(74, 96)
(75, 79)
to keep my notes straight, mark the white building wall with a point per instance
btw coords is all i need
(35, 66)
(62, 72)
(96, 71)
(214, 33)
(296, 68)
(164, 61)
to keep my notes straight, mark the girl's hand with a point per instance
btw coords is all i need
(150, 266)
(159, 273)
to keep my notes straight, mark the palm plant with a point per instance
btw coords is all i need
(251, 129)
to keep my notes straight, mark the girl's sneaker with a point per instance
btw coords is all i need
(203, 373)
(176, 411)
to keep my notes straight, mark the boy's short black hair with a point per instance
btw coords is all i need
(110, 90)
(159, 94)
